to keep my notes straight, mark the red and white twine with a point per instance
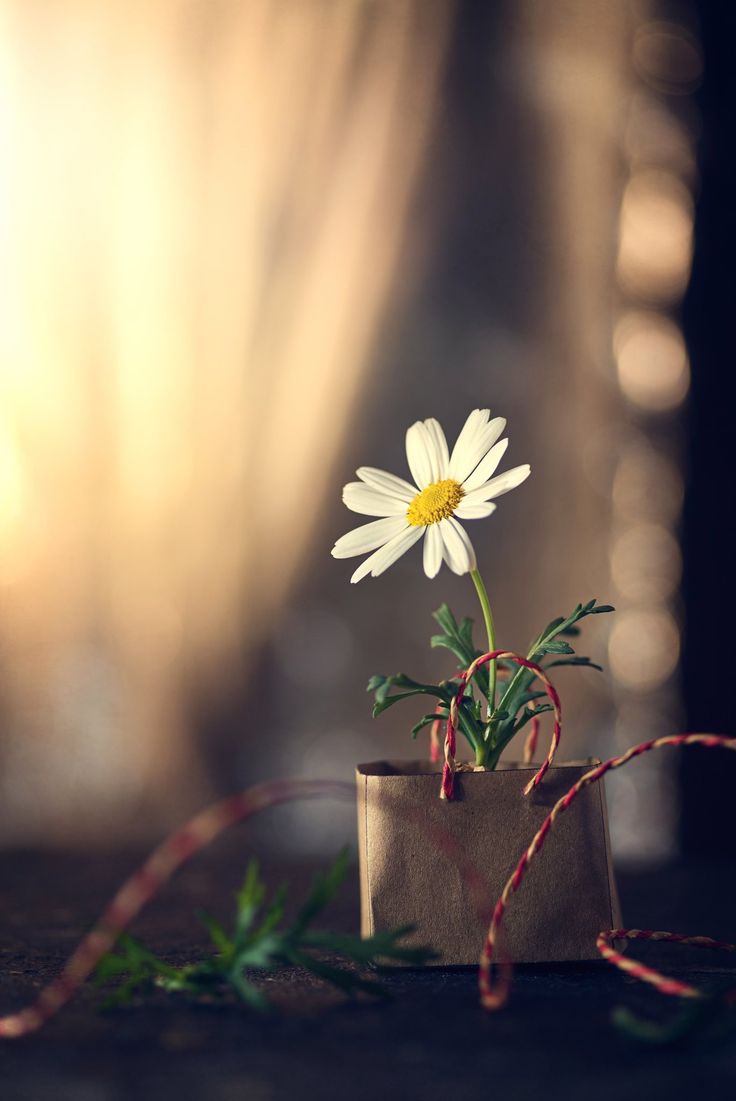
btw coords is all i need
(190, 839)
(494, 995)
(204, 827)
(451, 766)
(140, 888)
(648, 974)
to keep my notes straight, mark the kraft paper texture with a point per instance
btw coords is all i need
(568, 894)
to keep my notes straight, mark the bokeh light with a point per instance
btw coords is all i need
(655, 244)
(651, 361)
(644, 647)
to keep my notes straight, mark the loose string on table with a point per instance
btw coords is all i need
(140, 888)
(494, 974)
(648, 974)
(494, 994)
(184, 843)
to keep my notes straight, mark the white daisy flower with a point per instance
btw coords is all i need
(447, 488)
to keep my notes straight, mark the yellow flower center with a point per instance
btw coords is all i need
(437, 502)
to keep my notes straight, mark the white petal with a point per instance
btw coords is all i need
(368, 536)
(475, 447)
(385, 556)
(445, 553)
(486, 468)
(371, 502)
(460, 555)
(472, 427)
(442, 454)
(420, 455)
(464, 511)
(387, 483)
(432, 550)
(499, 485)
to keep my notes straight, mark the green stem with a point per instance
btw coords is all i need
(491, 632)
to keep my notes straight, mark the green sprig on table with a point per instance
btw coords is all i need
(260, 943)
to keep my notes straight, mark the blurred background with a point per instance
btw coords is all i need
(243, 246)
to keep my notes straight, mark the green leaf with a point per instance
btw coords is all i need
(111, 966)
(260, 952)
(248, 993)
(556, 625)
(700, 1020)
(465, 633)
(274, 914)
(469, 725)
(458, 639)
(446, 619)
(196, 978)
(529, 714)
(383, 705)
(529, 696)
(264, 947)
(136, 962)
(249, 900)
(384, 945)
(427, 720)
(350, 982)
(577, 660)
(464, 653)
(140, 959)
(516, 693)
(406, 688)
(324, 889)
(218, 936)
(555, 646)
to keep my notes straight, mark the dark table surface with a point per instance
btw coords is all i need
(554, 1038)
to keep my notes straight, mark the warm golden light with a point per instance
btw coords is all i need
(13, 485)
(655, 243)
(651, 361)
(203, 215)
(644, 647)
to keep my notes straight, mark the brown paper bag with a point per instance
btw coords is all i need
(568, 895)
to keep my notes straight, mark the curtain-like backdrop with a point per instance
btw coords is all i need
(243, 245)
(202, 212)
